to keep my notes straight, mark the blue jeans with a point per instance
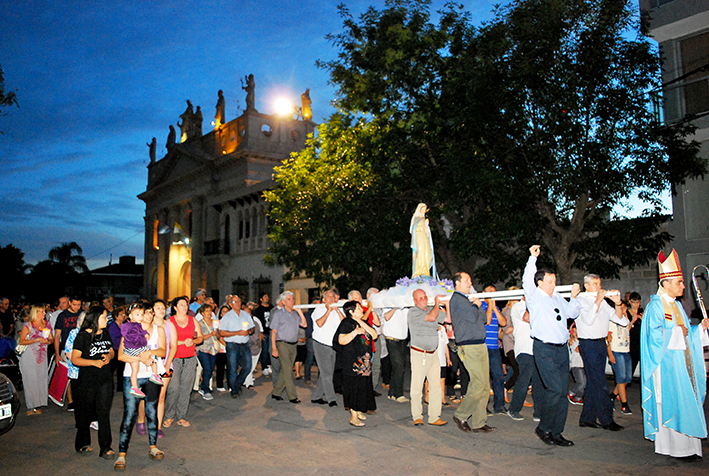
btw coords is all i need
(309, 357)
(528, 375)
(622, 367)
(265, 352)
(207, 361)
(130, 412)
(238, 357)
(497, 379)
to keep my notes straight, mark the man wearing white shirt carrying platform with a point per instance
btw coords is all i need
(548, 313)
(592, 328)
(326, 320)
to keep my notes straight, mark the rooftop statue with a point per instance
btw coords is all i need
(197, 120)
(186, 127)
(171, 137)
(250, 92)
(306, 103)
(153, 149)
(219, 117)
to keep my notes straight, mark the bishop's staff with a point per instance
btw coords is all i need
(696, 288)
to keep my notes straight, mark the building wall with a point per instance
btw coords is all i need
(681, 28)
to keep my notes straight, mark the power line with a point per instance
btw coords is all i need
(114, 246)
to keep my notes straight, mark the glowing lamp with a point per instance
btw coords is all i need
(283, 107)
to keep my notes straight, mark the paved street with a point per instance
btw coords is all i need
(257, 435)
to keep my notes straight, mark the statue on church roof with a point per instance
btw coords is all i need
(220, 116)
(250, 89)
(197, 120)
(306, 110)
(153, 149)
(171, 137)
(187, 122)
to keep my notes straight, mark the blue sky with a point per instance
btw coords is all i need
(97, 80)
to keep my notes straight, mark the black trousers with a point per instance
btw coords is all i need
(92, 399)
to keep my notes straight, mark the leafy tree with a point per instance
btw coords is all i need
(13, 270)
(64, 256)
(529, 129)
(59, 274)
(332, 218)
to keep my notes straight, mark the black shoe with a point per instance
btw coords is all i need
(502, 411)
(462, 425)
(294, 400)
(70, 407)
(319, 401)
(589, 424)
(561, 441)
(377, 394)
(544, 436)
(235, 394)
(333, 403)
(688, 459)
(276, 397)
(612, 426)
(625, 409)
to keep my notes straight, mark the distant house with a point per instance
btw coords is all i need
(123, 281)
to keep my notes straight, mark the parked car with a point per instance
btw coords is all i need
(9, 404)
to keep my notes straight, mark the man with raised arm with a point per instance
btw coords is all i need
(548, 313)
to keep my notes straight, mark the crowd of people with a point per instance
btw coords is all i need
(458, 351)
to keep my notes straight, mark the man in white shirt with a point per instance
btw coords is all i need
(396, 330)
(592, 328)
(326, 320)
(235, 327)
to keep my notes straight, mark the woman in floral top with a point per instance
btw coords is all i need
(353, 341)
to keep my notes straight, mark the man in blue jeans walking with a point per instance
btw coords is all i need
(235, 327)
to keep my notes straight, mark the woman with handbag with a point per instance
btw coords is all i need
(36, 335)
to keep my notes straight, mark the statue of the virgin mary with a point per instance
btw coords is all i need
(423, 259)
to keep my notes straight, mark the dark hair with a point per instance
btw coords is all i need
(349, 307)
(152, 304)
(74, 297)
(219, 314)
(173, 303)
(91, 320)
(205, 306)
(635, 296)
(540, 274)
(458, 277)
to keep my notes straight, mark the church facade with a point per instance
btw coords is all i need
(205, 216)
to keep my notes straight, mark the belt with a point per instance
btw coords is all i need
(395, 340)
(549, 343)
(421, 350)
(594, 340)
(286, 342)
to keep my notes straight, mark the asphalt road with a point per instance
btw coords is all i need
(257, 435)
